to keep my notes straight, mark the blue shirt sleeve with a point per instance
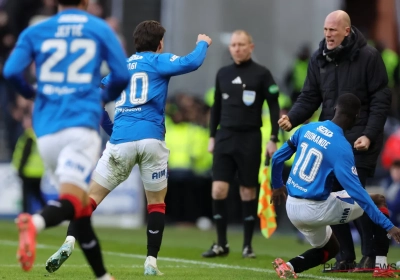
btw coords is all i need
(106, 123)
(346, 174)
(20, 58)
(172, 65)
(278, 160)
(105, 81)
(116, 59)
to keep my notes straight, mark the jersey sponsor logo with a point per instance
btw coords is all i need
(173, 58)
(126, 110)
(345, 215)
(325, 131)
(237, 81)
(159, 174)
(354, 170)
(49, 89)
(225, 96)
(273, 89)
(135, 57)
(249, 96)
(295, 185)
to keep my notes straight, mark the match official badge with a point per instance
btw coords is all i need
(249, 96)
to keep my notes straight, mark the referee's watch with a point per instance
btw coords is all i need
(273, 138)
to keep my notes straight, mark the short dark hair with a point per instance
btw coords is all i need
(147, 35)
(69, 2)
(349, 105)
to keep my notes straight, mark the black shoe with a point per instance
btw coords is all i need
(248, 252)
(342, 266)
(216, 251)
(366, 264)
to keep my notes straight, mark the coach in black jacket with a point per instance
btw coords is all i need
(344, 63)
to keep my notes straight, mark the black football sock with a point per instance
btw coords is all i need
(155, 228)
(249, 220)
(221, 220)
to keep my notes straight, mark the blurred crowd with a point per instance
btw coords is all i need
(187, 116)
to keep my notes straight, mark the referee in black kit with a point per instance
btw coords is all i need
(241, 89)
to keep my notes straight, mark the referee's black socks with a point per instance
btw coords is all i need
(220, 214)
(249, 209)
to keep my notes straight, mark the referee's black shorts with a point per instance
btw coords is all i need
(237, 152)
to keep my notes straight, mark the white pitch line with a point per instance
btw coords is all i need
(185, 261)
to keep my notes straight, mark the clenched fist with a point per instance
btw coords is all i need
(285, 123)
(204, 37)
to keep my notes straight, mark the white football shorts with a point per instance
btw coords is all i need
(313, 218)
(70, 155)
(117, 161)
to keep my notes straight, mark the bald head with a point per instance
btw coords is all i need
(337, 26)
(339, 16)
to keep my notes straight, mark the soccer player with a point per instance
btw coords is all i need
(138, 134)
(324, 153)
(67, 50)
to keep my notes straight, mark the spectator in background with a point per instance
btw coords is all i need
(95, 9)
(28, 163)
(116, 27)
(7, 94)
(189, 175)
(48, 9)
(390, 59)
(345, 63)
(20, 13)
(391, 162)
(295, 78)
(392, 192)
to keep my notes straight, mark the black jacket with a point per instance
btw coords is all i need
(357, 69)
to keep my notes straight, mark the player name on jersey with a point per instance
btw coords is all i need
(68, 30)
(317, 139)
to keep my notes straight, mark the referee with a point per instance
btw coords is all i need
(240, 91)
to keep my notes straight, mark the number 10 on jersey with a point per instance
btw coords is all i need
(136, 96)
(304, 161)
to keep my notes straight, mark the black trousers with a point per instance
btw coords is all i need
(30, 190)
(363, 224)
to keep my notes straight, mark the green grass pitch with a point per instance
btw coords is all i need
(180, 256)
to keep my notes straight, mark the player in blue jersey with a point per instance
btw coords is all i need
(138, 134)
(323, 153)
(67, 50)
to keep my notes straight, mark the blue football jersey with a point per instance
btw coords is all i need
(322, 153)
(67, 50)
(140, 110)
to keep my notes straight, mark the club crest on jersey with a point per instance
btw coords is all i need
(249, 96)
(354, 170)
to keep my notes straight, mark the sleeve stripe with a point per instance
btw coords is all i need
(291, 145)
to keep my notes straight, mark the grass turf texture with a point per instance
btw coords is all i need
(180, 257)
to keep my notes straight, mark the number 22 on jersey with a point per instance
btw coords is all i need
(134, 97)
(61, 50)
